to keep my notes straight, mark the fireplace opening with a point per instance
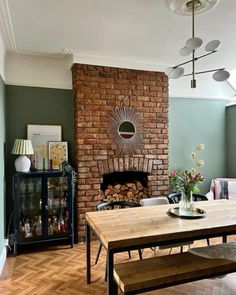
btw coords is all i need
(125, 186)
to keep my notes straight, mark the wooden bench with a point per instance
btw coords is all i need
(139, 276)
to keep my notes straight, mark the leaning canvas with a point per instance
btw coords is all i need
(58, 153)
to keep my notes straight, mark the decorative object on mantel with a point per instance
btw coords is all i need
(184, 182)
(126, 129)
(22, 147)
(189, 7)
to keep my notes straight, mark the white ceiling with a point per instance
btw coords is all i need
(129, 31)
(137, 29)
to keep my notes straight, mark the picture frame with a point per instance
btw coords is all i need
(40, 135)
(57, 153)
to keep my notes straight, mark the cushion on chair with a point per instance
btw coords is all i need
(225, 188)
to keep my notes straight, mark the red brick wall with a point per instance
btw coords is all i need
(97, 91)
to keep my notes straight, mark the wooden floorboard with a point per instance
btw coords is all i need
(60, 270)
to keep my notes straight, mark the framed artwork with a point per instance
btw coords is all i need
(58, 153)
(40, 135)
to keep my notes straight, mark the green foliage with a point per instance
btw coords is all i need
(184, 180)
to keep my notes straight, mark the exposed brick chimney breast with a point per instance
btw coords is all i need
(97, 91)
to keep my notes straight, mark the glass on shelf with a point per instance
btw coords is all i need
(38, 226)
(30, 185)
(30, 227)
(58, 222)
(23, 187)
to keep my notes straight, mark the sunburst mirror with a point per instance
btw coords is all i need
(126, 129)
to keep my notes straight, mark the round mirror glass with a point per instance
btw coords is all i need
(126, 129)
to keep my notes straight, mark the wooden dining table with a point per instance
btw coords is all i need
(137, 228)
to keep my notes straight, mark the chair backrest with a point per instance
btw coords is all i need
(116, 205)
(199, 197)
(154, 201)
(176, 197)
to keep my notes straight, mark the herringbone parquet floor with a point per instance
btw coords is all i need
(60, 270)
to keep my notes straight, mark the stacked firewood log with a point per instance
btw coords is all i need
(131, 191)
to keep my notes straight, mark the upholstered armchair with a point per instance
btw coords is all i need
(222, 188)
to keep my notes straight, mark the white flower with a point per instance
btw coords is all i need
(200, 163)
(193, 155)
(200, 146)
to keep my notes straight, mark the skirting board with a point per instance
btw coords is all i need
(3, 259)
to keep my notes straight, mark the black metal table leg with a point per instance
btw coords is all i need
(110, 266)
(88, 255)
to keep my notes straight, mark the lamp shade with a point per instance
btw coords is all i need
(22, 147)
(221, 75)
(212, 45)
(175, 73)
(193, 43)
(184, 51)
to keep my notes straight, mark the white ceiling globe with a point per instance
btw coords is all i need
(193, 43)
(212, 45)
(221, 75)
(168, 71)
(185, 51)
(176, 73)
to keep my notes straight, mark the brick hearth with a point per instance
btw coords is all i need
(97, 91)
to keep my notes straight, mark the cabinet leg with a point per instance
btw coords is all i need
(15, 249)
(72, 243)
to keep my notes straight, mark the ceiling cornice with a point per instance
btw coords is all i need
(6, 28)
(92, 58)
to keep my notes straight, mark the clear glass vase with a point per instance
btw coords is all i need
(186, 204)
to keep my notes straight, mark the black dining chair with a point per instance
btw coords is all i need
(176, 197)
(111, 206)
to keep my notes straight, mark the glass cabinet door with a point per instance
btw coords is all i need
(57, 205)
(30, 193)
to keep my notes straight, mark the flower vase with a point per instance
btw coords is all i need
(186, 204)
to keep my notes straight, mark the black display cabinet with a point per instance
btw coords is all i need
(43, 207)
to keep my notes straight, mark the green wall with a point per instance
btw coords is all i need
(2, 177)
(193, 121)
(35, 105)
(231, 141)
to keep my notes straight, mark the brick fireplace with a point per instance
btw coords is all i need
(97, 91)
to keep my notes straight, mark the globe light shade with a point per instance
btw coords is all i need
(185, 51)
(168, 71)
(176, 73)
(221, 75)
(193, 43)
(212, 45)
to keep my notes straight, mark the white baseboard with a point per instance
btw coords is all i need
(3, 257)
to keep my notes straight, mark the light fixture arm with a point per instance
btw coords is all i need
(203, 72)
(195, 59)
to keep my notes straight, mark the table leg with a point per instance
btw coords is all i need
(224, 239)
(88, 255)
(110, 266)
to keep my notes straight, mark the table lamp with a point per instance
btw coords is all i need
(22, 147)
